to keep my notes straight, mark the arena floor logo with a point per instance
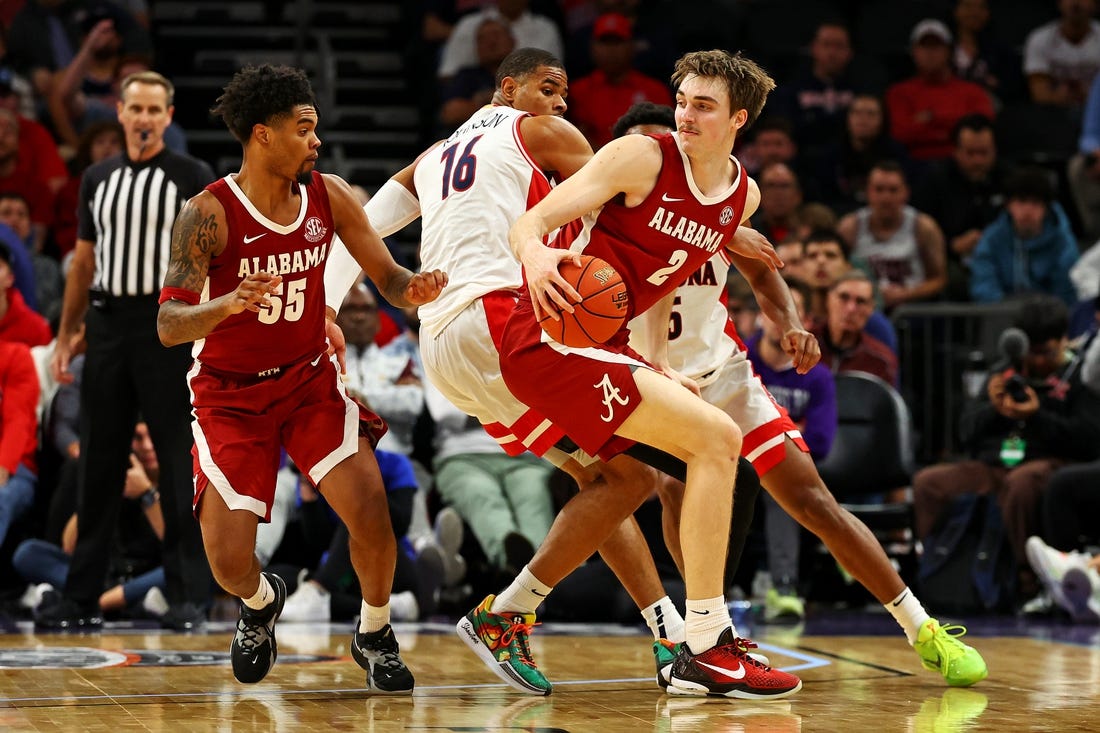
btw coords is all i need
(79, 657)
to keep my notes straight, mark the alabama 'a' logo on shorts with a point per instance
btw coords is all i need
(610, 397)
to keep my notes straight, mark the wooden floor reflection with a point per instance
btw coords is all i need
(134, 680)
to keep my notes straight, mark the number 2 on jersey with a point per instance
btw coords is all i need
(677, 258)
(459, 177)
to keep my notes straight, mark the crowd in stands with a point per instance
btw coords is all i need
(885, 180)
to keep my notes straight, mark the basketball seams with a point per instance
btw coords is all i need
(586, 324)
(594, 314)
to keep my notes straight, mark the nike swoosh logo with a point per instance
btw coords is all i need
(701, 613)
(664, 197)
(737, 674)
(316, 361)
(540, 595)
(250, 240)
(900, 600)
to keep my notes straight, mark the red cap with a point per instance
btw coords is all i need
(615, 25)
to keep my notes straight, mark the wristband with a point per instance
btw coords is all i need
(182, 294)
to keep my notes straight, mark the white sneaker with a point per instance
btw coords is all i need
(448, 534)
(403, 606)
(448, 530)
(32, 596)
(310, 602)
(154, 603)
(1051, 566)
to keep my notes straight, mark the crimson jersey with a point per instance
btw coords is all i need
(292, 327)
(656, 245)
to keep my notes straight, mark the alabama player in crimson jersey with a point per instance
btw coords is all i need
(246, 284)
(668, 203)
(704, 346)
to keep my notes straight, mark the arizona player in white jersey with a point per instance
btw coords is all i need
(704, 346)
(469, 189)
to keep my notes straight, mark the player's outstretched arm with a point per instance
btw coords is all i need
(390, 210)
(656, 349)
(398, 285)
(774, 298)
(197, 237)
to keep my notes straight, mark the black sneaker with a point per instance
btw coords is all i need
(254, 650)
(184, 617)
(60, 613)
(378, 653)
(430, 572)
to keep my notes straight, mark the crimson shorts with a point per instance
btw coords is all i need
(587, 392)
(242, 422)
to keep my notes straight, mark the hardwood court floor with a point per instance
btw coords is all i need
(133, 679)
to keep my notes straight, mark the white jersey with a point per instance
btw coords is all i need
(895, 260)
(700, 337)
(471, 189)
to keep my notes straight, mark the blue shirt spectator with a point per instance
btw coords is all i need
(1029, 247)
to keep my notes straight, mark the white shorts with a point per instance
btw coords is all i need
(737, 390)
(463, 362)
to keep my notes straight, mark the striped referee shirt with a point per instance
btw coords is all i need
(127, 209)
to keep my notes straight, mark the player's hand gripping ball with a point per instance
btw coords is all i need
(601, 311)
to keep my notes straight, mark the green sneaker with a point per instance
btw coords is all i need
(783, 607)
(941, 651)
(664, 654)
(500, 640)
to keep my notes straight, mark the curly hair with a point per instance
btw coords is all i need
(644, 113)
(748, 85)
(262, 95)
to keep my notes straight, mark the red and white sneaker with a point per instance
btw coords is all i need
(727, 670)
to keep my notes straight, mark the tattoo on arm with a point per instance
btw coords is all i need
(393, 290)
(194, 240)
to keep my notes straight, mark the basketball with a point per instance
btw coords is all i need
(602, 308)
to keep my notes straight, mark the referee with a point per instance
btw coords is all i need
(127, 207)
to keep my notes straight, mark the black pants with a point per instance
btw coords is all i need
(129, 375)
(1071, 506)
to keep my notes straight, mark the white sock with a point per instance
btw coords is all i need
(373, 618)
(664, 620)
(909, 613)
(705, 620)
(524, 594)
(265, 594)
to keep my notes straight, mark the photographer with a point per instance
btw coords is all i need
(1035, 417)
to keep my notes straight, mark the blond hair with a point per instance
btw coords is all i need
(747, 84)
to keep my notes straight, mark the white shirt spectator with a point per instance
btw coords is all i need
(375, 373)
(529, 30)
(1048, 52)
(1085, 274)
